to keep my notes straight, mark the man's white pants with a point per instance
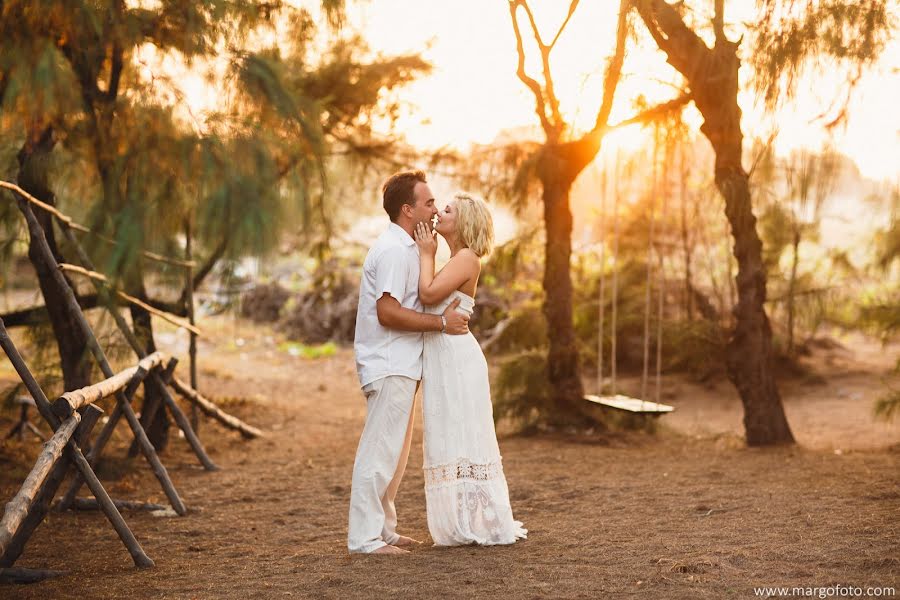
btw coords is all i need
(380, 462)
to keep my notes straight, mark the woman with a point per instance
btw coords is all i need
(465, 490)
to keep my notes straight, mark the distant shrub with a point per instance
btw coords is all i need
(521, 391)
(263, 302)
(888, 406)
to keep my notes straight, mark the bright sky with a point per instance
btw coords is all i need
(474, 93)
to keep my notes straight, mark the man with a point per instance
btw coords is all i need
(388, 348)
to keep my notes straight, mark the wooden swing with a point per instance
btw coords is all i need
(615, 401)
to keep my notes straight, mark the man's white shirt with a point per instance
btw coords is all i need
(392, 267)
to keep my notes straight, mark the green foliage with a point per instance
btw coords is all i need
(776, 232)
(886, 241)
(694, 347)
(308, 352)
(793, 36)
(521, 391)
(880, 314)
(888, 406)
(244, 171)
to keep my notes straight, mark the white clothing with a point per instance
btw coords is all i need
(380, 462)
(391, 266)
(465, 490)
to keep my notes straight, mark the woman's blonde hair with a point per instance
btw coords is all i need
(474, 223)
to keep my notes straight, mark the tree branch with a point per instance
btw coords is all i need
(682, 46)
(36, 315)
(572, 8)
(207, 267)
(548, 75)
(655, 112)
(532, 84)
(614, 69)
(719, 21)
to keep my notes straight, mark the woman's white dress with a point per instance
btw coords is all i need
(465, 490)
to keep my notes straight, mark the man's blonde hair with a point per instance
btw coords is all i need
(474, 223)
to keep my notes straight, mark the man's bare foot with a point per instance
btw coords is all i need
(390, 550)
(406, 541)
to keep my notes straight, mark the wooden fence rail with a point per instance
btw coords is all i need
(18, 508)
(70, 402)
(73, 414)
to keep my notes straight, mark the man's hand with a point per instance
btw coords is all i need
(457, 323)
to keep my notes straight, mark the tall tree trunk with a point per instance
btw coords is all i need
(32, 177)
(713, 77)
(749, 356)
(563, 368)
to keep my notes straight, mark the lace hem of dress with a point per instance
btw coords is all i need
(462, 470)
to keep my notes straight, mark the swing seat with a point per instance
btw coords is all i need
(631, 405)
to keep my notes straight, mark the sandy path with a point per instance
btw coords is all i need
(671, 516)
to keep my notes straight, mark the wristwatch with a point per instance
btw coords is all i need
(443, 323)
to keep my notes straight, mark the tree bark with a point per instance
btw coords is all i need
(713, 77)
(563, 365)
(749, 356)
(71, 343)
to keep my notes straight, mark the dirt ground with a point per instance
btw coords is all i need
(687, 513)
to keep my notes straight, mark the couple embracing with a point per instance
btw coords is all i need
(412, 330)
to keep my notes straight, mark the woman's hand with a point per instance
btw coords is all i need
(426, 240)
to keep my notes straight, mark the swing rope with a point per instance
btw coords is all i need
(651, 244)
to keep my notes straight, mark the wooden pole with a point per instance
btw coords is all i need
(67, 221)
(159, 470)
(95, 276)
(70, 402)
(74, 453)
(22, 575)
(89, 416)
(103, 437)
(214, 411)
(91, 504)
(19, 507)
(189, 298)
(103, 292)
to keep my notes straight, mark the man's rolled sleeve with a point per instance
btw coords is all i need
(392, 274)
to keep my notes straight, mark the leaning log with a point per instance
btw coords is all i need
(104, 290)
(70, 402)
(211, 410)
(46, 256)
(91, 504)
(93, 455)
(21, 575)
(17, 508)
(74, 453)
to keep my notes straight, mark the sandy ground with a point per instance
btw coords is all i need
(687, 513)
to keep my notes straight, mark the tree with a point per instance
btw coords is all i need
(556, 163)
(784, 45)
(73, 85)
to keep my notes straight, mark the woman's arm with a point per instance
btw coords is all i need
(461, 268)
(435, 288)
